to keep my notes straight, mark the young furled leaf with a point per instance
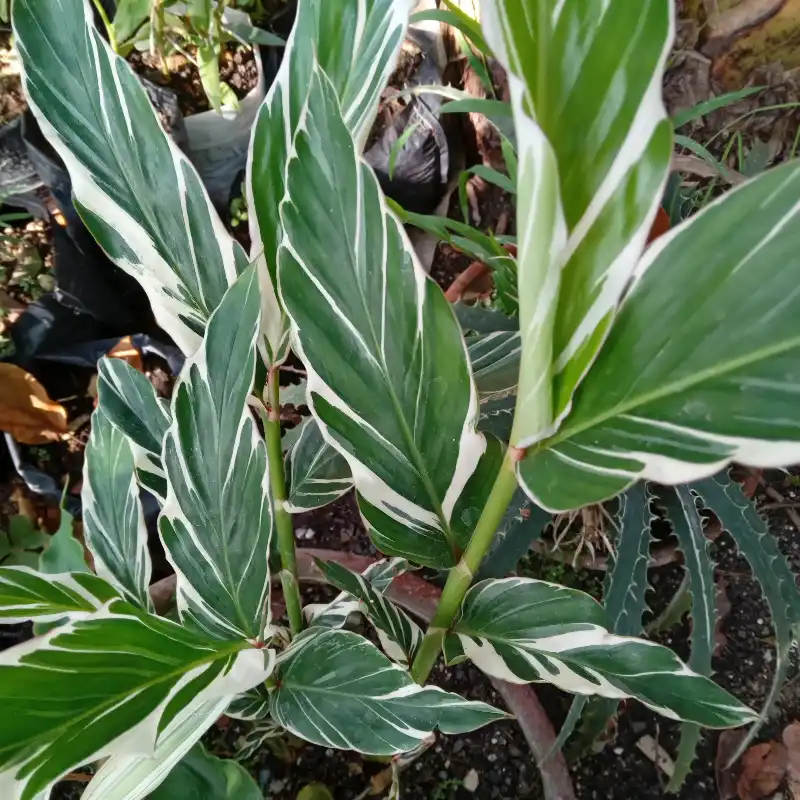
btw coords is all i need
(93, 704)
(113, 521)
(388, 377)
(358, 59)
(656, 405)
(137, 193)
(336, 689)
(594, 145)
(217, 521)
(523, 630)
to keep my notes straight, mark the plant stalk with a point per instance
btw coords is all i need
(460, 578)
(283, 520)
(109, 26)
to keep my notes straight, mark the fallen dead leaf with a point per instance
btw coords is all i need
(726, 777)
(661, 225)
(125, 351)
(791, 740)
(26, 411)
(657, 754)
(763, 770)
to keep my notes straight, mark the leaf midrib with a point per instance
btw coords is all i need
(624, 407)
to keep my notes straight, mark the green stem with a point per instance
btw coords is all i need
(112, 35)
(460, 577)
(283, 520)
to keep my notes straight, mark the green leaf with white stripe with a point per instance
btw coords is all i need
(772, 570)
(495, 359)
(523, 630)
(336, 689)
(131, 404)
(334, 614)
(113, 521)
(358, 59)
(317, 473)
(217, 521)
(677, 401)
(594, 144)
(688, 526)
(399, 635)
(28, 595)
(131, 777)
(72, 700)
(388, 376)
(135, 190)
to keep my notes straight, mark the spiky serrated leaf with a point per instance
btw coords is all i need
(336, 689)
(26, 594)
(521, 526)
(334, 614)
(90, 703)
(388, 377)
(594, 144)
(399, 635)
(770, 567)
(132, 777)
(358, 61)
(688, 526)
(217, 522)
(131, 404)
(113, 521)
(657, 405)
(317, 473)
(135, 190)
(523, 630)
(624, 597)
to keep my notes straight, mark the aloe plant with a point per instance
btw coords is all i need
(629, 371)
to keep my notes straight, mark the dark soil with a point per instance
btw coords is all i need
(237, 68)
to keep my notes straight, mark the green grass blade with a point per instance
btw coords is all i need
(714, 104)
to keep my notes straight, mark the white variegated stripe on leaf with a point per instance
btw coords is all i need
(113, 520)
(524, 630)
(217, 522)
(317, 473)
(334, 614)
(133, 777)
(715, 380)
(90, 704)
(358, 59)
(336, 689)
(29, 595)
(495, 359)
(131, 404)
(609, 142)
(388, 376)
(399, 635)
(137, 193)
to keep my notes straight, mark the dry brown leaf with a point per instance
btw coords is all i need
(125, 351)
(791, 740)
(726, 747)
(381, 782)
(763, 770)
(26, 411)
